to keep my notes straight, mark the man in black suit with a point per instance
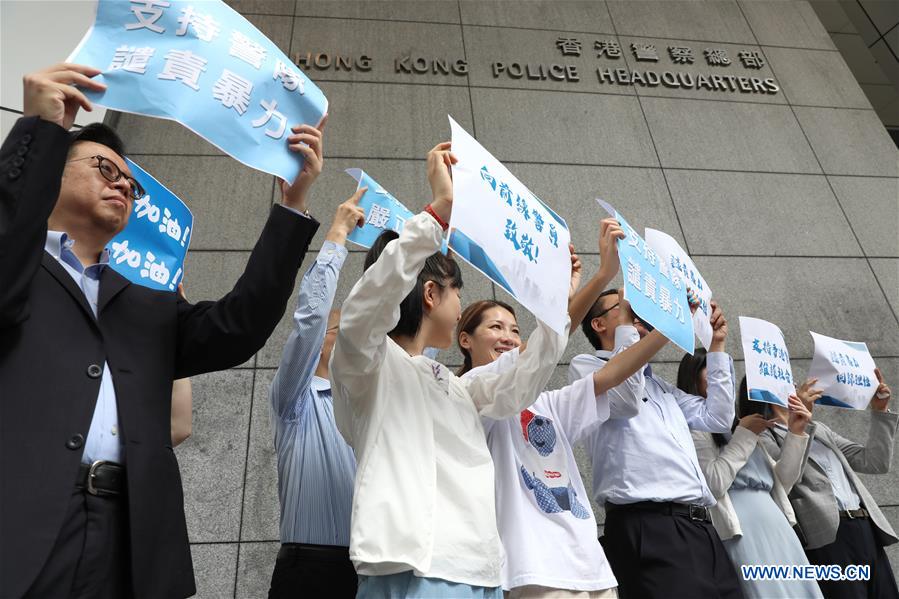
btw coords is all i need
(90, 500)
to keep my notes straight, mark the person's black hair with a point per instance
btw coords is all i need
(689, 370)
(745, 406)
(688, 381)
(101, 134)
(587, 323)
(441, 269)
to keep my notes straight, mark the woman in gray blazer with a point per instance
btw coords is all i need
(838, 518)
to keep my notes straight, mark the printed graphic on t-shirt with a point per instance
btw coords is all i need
(544, 471)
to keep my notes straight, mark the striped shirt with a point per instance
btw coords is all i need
(316, 467)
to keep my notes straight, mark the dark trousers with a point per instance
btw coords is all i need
(667, 556)
(90, 558)
(313, 571)
(856, 544)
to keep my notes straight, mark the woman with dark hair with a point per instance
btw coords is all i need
(423, 514)
(545, 521)
(753, 515)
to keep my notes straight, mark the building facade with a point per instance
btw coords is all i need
(734, 126)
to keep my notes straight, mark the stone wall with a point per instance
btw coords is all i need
(787, 201)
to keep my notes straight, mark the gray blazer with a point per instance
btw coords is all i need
(812, 496)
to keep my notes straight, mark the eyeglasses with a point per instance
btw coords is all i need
(607, 310)
(112, 173)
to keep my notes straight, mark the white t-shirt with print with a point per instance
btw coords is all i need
(543, 511)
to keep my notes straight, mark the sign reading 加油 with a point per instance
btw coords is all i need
(205, 66)
(151, 248)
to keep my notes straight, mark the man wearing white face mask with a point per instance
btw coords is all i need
(658, 534)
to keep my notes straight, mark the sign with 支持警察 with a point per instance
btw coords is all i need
(845, 372)
(204, 65)
(151, 248)
(769, 377)
(681, 265)
(656, 296)
(382, 210)
(505, 231)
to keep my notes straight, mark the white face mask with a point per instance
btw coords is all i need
(431, 352)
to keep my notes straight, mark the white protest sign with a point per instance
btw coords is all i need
(769, 377)
(845, 372)
(505, 231)
(680, 264)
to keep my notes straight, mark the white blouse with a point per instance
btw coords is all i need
(423, 497)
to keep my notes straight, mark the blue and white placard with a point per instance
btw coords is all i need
(204, 65)
(769, 377)
(845, 372)
(656, 296)
(505, 231)
(151, 248)
(382, 210)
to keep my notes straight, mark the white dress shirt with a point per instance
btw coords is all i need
(651, 456)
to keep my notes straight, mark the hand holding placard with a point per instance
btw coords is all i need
(440, 162)
(609, 234)
(882, 397)
(308, 141)
(348, 217)
(51, 93)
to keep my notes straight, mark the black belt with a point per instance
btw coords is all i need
(101, 478)
(853, 514)
(691, 511)
(334, 552)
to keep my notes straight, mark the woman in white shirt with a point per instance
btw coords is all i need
(545, 520)
(423, 518)
(753, 515)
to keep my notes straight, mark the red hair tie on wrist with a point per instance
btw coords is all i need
(439, 220)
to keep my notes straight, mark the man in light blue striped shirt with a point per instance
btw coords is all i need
(316, 467)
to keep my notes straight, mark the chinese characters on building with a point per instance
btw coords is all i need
(677, 55)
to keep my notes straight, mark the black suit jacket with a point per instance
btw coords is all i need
(49, 339)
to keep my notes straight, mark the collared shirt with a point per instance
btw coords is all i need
(104, 439)
(651, 456)
(315, 465)
(843, 492)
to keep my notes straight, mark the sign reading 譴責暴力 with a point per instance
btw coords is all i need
(845, 372)
(656, 296)
(151, 248)
(204, 65)
(769, 377)
(382, 210)
(505, 231)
